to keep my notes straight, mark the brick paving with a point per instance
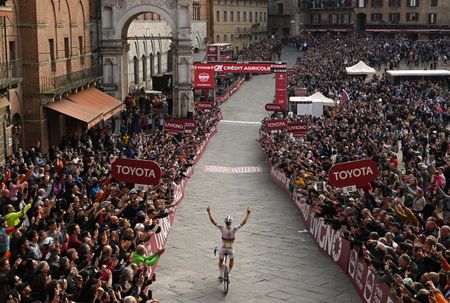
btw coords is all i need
(275, 260)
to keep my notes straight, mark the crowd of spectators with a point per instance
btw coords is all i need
(266, 50)
(399, 223)
(70, 233)
(330, 77)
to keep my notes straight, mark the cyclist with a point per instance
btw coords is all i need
(228, 234)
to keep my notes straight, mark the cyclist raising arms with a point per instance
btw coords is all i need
(228, 234)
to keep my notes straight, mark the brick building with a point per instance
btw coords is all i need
(10, 81)
(239, 22)
(59, 94)
(420, 18)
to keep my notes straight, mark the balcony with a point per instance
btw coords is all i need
(67, 82)
(325, 5)
(10, 73)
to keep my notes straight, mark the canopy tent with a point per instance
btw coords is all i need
(319, 97)
(419, 73)
(360, 68)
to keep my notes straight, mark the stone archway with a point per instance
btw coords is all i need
(116, 18)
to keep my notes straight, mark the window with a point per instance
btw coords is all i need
(144, 68)
(218, 16)
(434, 2)
(260, 16)
(376, 17)
(225, 38)
(217, 38)
(265, 16)
(232, 16)
(432, 17)
(232, 37)
(225, 16)
(315, 18)
(152, 65)
(394, 3)
(280, 8)
(346, 19)
(136, 70)
(394, 18)
(361, 3)
(412, 17)
(412, 2)
(238, 15)
(333, 19)
(81, 49)
(12, 50)
(66, 48)
(159, 63)
(377, 3)
(250, 15)
(245, 16)
(196, 10)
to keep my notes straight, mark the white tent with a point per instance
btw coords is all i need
(360, 68)
(319, 97)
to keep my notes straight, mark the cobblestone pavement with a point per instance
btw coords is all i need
(275, 260)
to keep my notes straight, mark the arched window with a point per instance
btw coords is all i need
(144, 68)
(225, 38)
(152, 65)
(159, 63)
(169, 60)
(217, 38)
(232, 37)
(136, 70)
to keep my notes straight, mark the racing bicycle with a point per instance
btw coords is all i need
(226, 276)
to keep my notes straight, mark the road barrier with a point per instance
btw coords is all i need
(158, 241)
(366, 283)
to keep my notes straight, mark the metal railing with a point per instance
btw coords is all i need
(10, 72)
(60, 84)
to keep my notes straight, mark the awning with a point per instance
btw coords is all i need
(6, 11)
(90, 106)
(94, 98)
(80, 112)
(4, 102)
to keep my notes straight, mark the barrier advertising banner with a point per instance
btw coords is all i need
(188, 124)
(300, 128)
(136, 171)
(174, 126)
(276, 124)
(204, 78)
(357, 173)
(365, 282)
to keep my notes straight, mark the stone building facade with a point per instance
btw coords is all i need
(239, 22)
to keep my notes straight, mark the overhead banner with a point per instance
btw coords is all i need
(241, 67)
(204, 78)
(281, 89)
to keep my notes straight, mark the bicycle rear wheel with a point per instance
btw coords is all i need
(226, 279)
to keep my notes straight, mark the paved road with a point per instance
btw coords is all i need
(276, 260)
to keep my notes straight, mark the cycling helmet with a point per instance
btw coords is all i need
(228, 220)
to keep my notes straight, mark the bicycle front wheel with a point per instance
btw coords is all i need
(226, 279)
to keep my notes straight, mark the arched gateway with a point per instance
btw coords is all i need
(116, 18)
